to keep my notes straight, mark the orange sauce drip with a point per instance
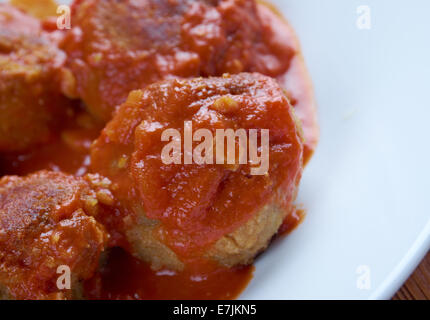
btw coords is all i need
(291, 222)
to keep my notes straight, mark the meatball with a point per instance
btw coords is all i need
(119, 46)
(47, 221)
(31, 80)
(221, 211)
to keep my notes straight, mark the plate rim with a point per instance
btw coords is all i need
(405, 268)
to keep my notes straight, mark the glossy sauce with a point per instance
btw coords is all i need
(296, 80)
(144, 283)
(125, 277)
(68, 150)
(291, 222)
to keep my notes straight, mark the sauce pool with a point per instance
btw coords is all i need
(127, 278)
(124, 277)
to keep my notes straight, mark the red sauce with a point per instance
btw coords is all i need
(68, 150)
(291, 222)
(125, 277)
(295, 80)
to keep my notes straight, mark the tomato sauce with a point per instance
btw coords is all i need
(295, 80)
(68, 150)
(125, 277)
(292, 221)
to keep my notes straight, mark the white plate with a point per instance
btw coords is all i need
(367, 188)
